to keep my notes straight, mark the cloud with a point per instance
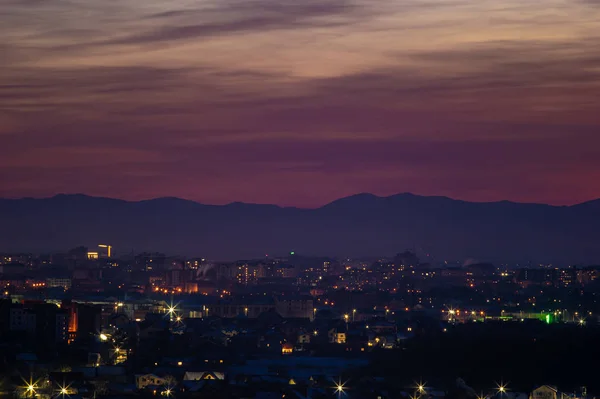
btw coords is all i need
(480, 99)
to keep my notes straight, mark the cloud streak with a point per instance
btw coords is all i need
(300, 102)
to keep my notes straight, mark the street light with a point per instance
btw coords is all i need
(30, 387)
(501, 388)
(63, 390)
(340, 388)
(353, 314)
(421, 387)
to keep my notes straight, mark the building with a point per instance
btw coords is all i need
(54, 282)
(295, 307)
(12, 269)
(150, 261)
(89, 319)
(203, 375)
(249, 273)
(45, 323)
(144, 380)
(240, 307)
(22, 320)
(549, 392)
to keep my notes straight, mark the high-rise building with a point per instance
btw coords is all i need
(89, 320)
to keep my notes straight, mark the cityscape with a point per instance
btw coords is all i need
(97, 322)
(299, 199)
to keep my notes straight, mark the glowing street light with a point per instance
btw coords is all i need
(501, 388)
(30, 387)
(421, 387)
(103, 337)
(171, 311)
(581, 322)
(64, 390)
(340, 388)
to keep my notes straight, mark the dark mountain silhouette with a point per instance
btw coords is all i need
(359, 225)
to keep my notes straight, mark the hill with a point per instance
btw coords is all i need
(358, 225)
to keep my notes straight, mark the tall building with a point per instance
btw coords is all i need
(150, 261)
(44, 323)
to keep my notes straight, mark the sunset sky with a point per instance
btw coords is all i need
(300, 102)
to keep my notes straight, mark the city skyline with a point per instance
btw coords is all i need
(298, 104)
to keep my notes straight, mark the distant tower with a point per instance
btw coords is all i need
(108, 249)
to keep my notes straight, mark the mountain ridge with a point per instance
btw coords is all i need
(352, 196)
(359, 225)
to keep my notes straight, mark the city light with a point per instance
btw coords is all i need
(64, 390)
(103, 337)
(421, 387)
(340, 387)
(501, 388)
(30, 387)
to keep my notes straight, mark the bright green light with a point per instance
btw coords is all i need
(548, 319)
(292, 253)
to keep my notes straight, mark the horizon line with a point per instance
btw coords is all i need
(406, 193)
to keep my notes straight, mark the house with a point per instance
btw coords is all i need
(144, 380)
(303, 338)
(203, 375)
(548, 392)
